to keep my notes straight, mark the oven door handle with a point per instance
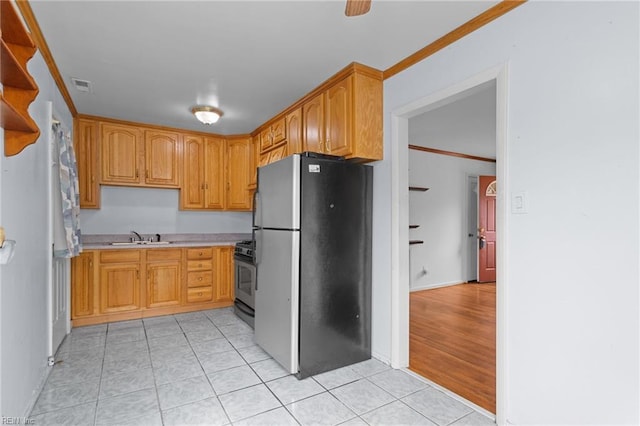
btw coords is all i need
(257, 253)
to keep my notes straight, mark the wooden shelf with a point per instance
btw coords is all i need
(12, 119)
(19, 89)
(418, 188)
(414, 242)
(414, 226)
(13, 73)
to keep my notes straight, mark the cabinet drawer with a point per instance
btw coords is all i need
(158, 255)
(198, 279)
(119, 256)
(200, 294)
(199, 265)
(200, 253)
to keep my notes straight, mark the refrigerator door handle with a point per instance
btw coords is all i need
(257, 210)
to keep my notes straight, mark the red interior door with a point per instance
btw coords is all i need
(487, 229)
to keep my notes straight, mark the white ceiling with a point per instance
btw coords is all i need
(466, 125)
(151, 61)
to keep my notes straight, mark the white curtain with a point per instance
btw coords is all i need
(67, 235)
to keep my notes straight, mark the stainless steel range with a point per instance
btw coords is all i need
(245, 281)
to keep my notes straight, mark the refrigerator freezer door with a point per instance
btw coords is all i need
(277, 303)
(335, 265)
(278, 196)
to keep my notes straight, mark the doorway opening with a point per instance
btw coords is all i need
(414, 272)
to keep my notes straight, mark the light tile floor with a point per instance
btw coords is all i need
(205, 368)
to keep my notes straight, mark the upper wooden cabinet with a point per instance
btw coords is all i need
(293, 122)
(339, 118)
(273, 134)
(193, 170)
(86, 149)
(121, 154)
(204, 181)
(239, 158)
(162, 155)
(313, 124)
(255, 159)
(346, 118)
(215, 150)
(128, 159)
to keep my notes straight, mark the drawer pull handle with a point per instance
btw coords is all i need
(199, 278)
(200, 294)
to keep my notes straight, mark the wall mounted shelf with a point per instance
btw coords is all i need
(19, 89)
(418, 188)
(414, 242)
(414, 226)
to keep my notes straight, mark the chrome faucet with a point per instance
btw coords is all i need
(137, 235)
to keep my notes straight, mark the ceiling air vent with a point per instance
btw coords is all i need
(81, 85)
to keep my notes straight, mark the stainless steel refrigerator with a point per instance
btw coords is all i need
(312, 224)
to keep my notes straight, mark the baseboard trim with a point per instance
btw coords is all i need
(437, 285)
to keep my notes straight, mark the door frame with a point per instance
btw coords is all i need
(400, 286)
(62, 267)
(470, 243)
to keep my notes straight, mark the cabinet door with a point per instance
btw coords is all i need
(266, 139)
(162, 154)
(120, 154)
(119, 287)
(255, 159)
(277, 154)
(215, 162)
(164, 283)
(313, 124)
(338, 118)
(279, 131)
(239, 158)
(294, 131)
(82, 285)
(193, 179)
(86, 148)
(224, 281)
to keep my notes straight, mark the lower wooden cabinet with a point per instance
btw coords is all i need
(164, 277)
(109, 285)
(224, 285)
(200, 275)
(83, 285)
(119, 280)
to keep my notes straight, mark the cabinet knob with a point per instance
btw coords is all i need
(200, 294)
(199, 278)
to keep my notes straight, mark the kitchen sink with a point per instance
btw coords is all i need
(141, 243)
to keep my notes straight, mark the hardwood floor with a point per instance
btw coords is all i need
(452, 340)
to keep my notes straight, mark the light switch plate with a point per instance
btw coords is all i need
(519, 203)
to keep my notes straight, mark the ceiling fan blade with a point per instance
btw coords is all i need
(357, 7)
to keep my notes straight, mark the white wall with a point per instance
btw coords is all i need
(151, 211)
(441, 213)
(23, 289)
(572, 281)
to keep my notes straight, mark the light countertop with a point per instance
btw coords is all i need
(103, 241)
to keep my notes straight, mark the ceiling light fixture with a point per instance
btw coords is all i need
(207, 114)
